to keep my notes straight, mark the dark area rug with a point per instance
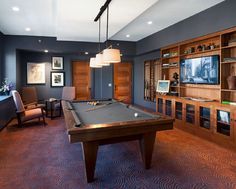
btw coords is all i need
(38, 157)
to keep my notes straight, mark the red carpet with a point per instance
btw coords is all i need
(38, 157)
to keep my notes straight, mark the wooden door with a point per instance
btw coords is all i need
(123, 82)
(81, 80)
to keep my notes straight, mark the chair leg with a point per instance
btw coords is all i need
(44, 123)
(60, 109)
(19, 120)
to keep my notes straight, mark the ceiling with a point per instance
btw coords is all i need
(72, 20)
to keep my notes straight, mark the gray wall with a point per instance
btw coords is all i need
(214, 19)
(45, 91)
(1, 55)
(217, 18)
(11, 67)
(19, 50)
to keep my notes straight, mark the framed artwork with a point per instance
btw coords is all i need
(57, 63)
(36, 73)
(57, 79)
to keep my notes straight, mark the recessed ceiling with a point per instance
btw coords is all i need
(163, 14)
(72, 20)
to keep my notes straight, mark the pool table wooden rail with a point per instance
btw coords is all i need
(91, 136)
(102, 131)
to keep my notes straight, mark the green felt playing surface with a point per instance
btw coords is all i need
(108, 112)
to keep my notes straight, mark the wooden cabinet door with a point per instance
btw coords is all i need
(81, 80)
(123, 82)
(190, 113)
(224, 122)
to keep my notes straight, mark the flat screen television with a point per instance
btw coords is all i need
(204, 70)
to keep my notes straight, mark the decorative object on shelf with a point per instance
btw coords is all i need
(199, 47)
(175, 77)
(173, 64)
(57, 79)
(231, 82)
(165, 65)
(6, 87)
(231, 59)
(57, 63)
(212, 46)
(166, 55)
(36, 73)
(174, 93)
(173, 54)
(204, 47)
(192, 50)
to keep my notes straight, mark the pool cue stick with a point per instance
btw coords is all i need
(101, 106)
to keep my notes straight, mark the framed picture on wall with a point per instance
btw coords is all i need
(57, 79)
(36, 73)
(57, 63)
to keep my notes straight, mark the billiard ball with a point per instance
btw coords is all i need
(135, 114)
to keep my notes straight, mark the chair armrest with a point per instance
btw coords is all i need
(19, 112)
(30, 104)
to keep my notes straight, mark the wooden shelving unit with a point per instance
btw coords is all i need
(170, 64)
(222, 44)
(212, 120)
(228, 65)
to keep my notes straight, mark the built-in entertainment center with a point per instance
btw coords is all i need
(202, 74)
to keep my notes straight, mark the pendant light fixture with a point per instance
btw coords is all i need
(99, 57)
(110, 55)
(97, 62)
(93, 64)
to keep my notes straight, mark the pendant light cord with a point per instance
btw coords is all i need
(107, 26)
(99, 34)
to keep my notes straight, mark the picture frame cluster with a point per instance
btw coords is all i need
(36, 73)
(57, 78)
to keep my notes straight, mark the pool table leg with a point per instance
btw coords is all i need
(146, 144)
(90, 150)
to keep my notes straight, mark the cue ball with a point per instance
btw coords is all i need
(135, 114)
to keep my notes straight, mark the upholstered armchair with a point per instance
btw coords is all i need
(68, 93)
(30, 97)
(23, 114)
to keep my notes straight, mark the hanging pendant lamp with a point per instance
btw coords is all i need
(93, 64)
(99, 57)
(110, 55)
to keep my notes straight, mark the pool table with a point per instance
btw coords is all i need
(111, 122)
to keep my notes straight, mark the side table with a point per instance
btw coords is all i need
(51, 107)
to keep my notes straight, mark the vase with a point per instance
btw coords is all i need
(231, 82)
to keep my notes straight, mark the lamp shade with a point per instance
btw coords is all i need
(99, 60)
(111, 55)
(93, 64)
